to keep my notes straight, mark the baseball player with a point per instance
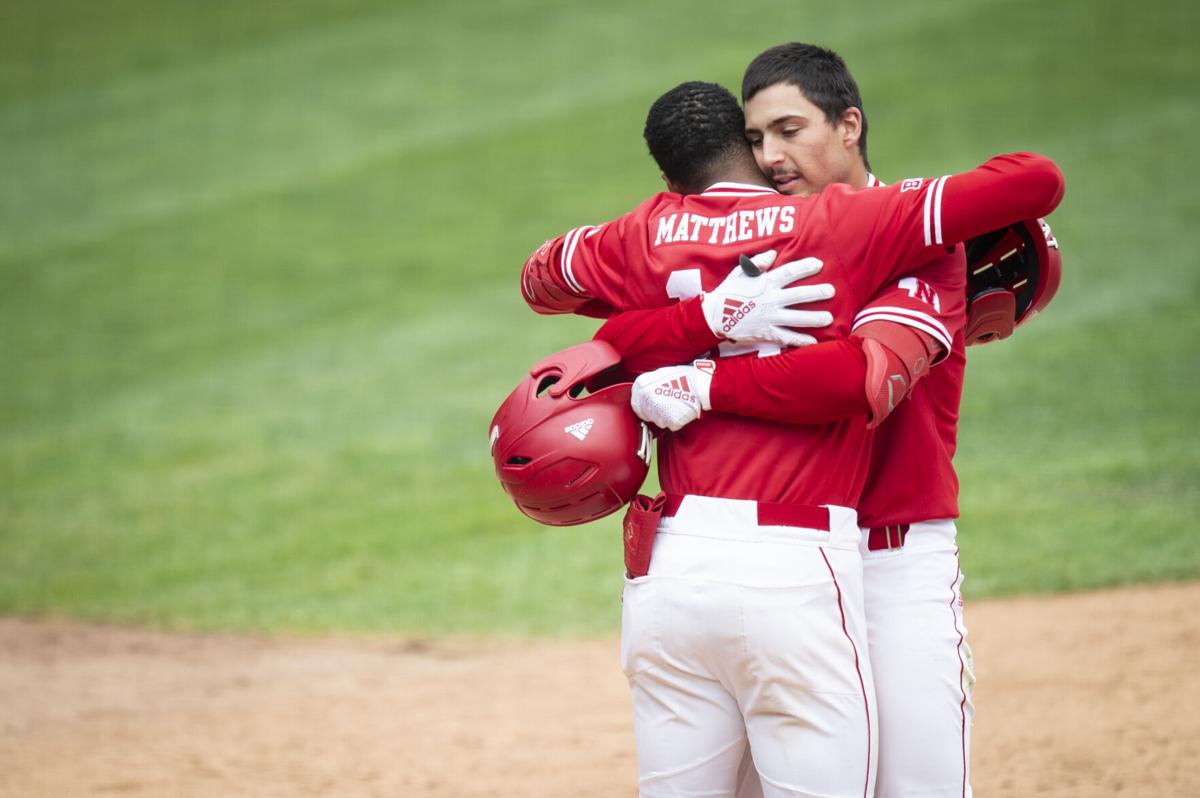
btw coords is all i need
(749, 624)
(807, 129)
(911, 573)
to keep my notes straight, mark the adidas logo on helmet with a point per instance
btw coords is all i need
(580, 429)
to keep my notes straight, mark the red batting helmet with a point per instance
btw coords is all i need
(565, 457)
(1012, 273)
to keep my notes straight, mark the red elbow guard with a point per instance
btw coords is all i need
(541, 290)
(897, 357)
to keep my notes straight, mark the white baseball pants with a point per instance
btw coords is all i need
(742, 633)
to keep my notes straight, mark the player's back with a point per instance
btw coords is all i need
(675, 247)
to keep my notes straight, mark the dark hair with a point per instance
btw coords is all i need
(820, 74)
(693, 130)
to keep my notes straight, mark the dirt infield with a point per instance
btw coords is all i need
(1087, 695)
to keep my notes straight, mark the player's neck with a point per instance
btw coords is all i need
(742, 173)
(857, 178)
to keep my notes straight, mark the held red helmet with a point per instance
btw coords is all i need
(1012, 273)
(566, 457)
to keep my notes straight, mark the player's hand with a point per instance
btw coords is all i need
(754, 307)
(675, 396)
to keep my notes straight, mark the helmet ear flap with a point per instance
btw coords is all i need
(990, 317)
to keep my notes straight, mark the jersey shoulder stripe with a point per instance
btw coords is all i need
(933, 211)
(567, 253)
(909, 318)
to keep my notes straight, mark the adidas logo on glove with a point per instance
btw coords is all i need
(734, 311)
(676, 389)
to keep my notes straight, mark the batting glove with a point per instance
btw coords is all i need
(752, 304)
(675, 396)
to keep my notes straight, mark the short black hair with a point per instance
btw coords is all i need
(693, 130)
(820, 74)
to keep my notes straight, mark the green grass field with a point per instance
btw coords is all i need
(259, 295)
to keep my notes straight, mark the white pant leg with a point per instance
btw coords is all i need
(687, 725)
(922, 665)
(774, 625)
(832, 762)
(809, 701)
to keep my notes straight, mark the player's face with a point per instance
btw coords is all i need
(795, 145)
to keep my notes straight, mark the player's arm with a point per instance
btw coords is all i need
(1005, 190)
(907, 327)
(890, 230)
(657, 337)
(814, 385)
(754, 303)
(581, 272)
(896, 337)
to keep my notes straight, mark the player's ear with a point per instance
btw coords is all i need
(851, 127)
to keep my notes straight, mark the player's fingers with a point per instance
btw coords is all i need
(786, 337)
(801, 318)
(764, 260)
(639, 393)
(651, 414)
(670, 417)
(635, 402)
(678, 422)
(795, 270)
(799, 294)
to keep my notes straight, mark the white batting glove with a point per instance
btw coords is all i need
(675, 396)
(748, 308)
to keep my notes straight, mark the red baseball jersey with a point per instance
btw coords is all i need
(911, 476)
(674, 247)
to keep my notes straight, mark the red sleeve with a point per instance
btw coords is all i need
(1005, 190)
(886, 231)
(932, 300)
(811, 385)
(581, 271)
(585, 270)
(658, 337)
